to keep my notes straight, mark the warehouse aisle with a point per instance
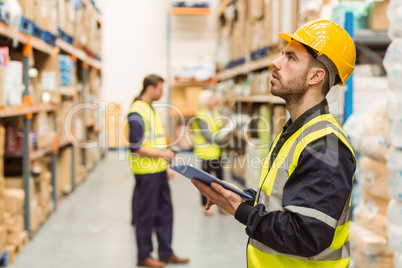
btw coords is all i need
(91, 228)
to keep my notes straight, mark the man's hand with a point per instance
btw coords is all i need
(171, 173)
(217, 195)
(168, 155)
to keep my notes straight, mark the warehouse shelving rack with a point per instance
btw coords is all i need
(28, 109)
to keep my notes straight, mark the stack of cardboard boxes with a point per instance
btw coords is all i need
(41, 201)
(70, 16)
(250, 25)
(260, 83)
(14, 197)
(42, 125)
(46, 83)
(42, 12)
(371, 213)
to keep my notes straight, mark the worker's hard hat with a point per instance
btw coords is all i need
(329, 39)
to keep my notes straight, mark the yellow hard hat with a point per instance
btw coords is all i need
(331, 40)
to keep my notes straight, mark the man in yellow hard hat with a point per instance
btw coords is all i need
(300, 214)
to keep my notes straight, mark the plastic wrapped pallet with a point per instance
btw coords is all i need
(375, 147)
(394, 216)
(367, 214)
(374, 177)
(368, 249)
(393, 67)
(366, 242)
(377, 122)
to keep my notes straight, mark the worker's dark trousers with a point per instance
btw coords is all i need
(209, 166)
(152, 209)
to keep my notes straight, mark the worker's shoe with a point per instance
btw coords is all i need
(150, 262)
(175, 259)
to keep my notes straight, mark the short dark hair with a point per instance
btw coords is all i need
(150, 80)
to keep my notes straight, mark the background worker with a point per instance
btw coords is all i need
(151, 204)
(301, 214)
(207, 141)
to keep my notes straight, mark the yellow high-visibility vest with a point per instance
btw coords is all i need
(270, 190)
(154, 138)
(202, 148)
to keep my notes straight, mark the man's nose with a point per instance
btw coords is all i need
(276, 63)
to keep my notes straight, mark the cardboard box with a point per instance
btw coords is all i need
(40, 125)
(14, 222)
(256, 9)
(64, 171)
(374, 178)
(48, 79)
(3, 237)
(369, 250)
(69, 18)
(14, 182)
(2, 187)
(47, 15)
(378, 19)
(117, 129)
(375, 147)
(2, 210)
(191, 98)
(178, 98)
(27, 7)
(14, 200)
(367, 215)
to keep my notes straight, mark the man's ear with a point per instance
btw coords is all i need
(317, 75)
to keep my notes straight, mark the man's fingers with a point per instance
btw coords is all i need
(227, 194)
(209, 204)
(204, 189)
(221, 190)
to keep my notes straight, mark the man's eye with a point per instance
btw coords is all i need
(290, 58)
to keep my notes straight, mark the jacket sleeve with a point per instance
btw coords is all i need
(206, 133)
(321, 181)
(136, 134)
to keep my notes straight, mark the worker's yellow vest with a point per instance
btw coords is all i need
(203, 149)
(154, 138)
(270, 190)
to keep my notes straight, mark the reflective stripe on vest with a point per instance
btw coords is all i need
(154, 138)
(270, 193)
(202, 148)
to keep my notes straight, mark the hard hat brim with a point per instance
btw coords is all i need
(289, 36)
